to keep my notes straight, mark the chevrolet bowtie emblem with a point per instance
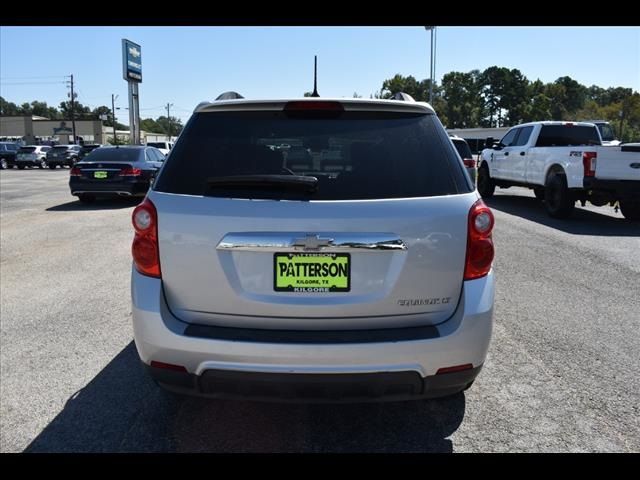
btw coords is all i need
(312, 242)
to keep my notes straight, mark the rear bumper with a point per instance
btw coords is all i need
(124, 188)
(321, 388)
(616, 189)
(392, 367)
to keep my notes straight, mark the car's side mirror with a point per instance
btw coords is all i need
(488, 143)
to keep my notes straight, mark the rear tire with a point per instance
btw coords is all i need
(3, 164)
(84, 198)
(52, 167)
(21, 167)
(486, 184)
(42, 164)
(557, 198)
(630, 209)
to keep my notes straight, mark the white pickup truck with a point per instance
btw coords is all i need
(563, 162)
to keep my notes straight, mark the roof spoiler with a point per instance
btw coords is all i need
(229, 96)
(404, 97)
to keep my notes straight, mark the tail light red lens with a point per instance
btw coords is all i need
(469, 162)
(480, 250)
(146, 256)
(75, 172)
(589, 163)
(130, 172)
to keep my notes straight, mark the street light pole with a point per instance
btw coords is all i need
(113, 116)
(432, 62)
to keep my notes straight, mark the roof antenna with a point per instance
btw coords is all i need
(315, 76)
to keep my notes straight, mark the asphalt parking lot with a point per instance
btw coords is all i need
(561, 376)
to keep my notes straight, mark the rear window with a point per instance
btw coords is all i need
(60, 149)
(463, 148)
(567, 135)
(156, 144)
(27, 150)
(114, 155)
(359, 155)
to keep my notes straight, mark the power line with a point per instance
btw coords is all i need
(40, 76)
(31, 83)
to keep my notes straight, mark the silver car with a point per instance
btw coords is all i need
(359, 271)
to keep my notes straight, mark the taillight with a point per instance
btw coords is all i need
(146, 256)
(589, 163)
(75, 172)
(479, 243)
(469, 162)
(130, 172)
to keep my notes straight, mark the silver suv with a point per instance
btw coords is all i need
(352, 265)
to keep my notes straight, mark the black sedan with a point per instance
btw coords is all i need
(115, 171)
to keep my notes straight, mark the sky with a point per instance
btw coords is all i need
(186, 65)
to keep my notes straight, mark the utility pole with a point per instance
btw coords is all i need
(113, 117)
(169, 105)
(73, 111)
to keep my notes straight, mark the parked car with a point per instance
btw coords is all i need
(87, 148)
(115, 171)
(8, 151)
(32, 156)
(465, 154)
(63, 155)
(253, 277)
(164, 147)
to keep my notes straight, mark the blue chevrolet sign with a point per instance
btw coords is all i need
(131, 61)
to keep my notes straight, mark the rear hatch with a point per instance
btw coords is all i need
(26, 154)
(368, 229)
(58, 153)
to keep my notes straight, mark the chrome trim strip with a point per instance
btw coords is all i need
(119, 192)
(311, 242)
(99, 169)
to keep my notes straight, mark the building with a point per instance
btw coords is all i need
(34, 129)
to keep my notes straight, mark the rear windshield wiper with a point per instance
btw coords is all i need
(278, 182)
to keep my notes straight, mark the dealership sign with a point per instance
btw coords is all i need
(131, 61)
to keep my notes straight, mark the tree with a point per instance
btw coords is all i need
(461, 96)
(8, 108)
(171, 126)
(575, 94)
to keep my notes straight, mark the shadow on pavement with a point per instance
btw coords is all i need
(582, 222)
(99, 204)
(226, 426)
(122, 410)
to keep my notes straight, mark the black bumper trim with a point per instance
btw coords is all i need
(621, 188)
(312, 336)
(316, 388)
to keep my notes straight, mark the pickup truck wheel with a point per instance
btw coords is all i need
(557, 198)
(3, 163)
(486, 185)
(630, 209)
(539, 193)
